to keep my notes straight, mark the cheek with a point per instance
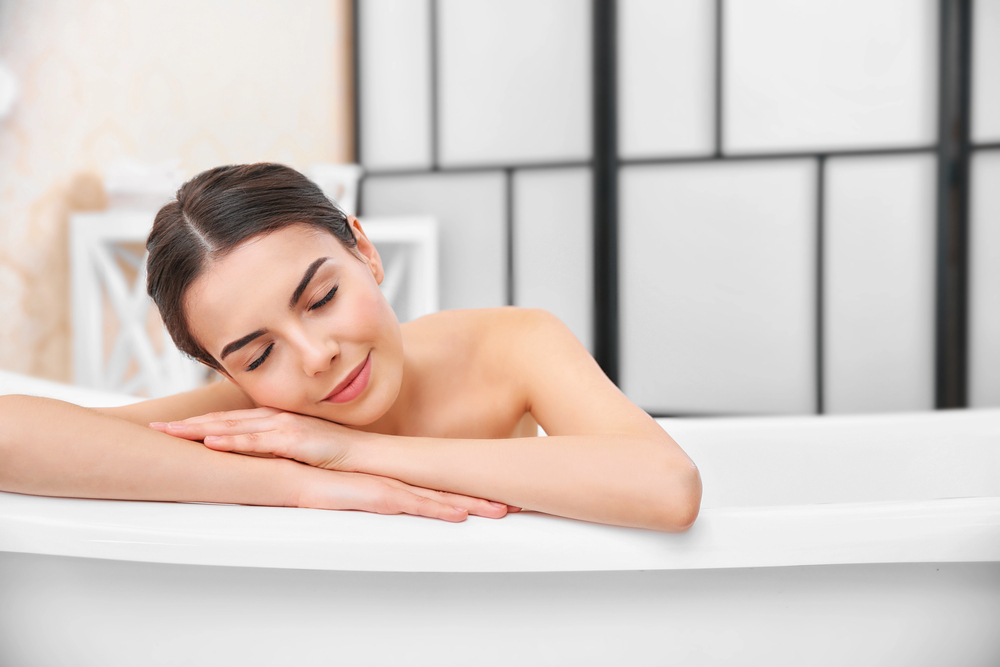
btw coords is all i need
(375, 319)
(382, 329)
(281, 385)
(278, 390)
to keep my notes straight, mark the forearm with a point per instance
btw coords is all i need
(619, 479)
(49, 447)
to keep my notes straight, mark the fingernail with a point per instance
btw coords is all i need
(460, 509)
(176, 425)
(497, 504)
(211, 438)
(157, 424)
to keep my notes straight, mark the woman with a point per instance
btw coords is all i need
(258, 275)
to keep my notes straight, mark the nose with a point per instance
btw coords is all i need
(318, 352)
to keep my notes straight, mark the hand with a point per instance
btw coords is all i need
(264, 431)
(325, 489)
(322, 444)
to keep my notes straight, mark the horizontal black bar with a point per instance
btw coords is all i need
(858, 152)
(551, 165)
(686, 159)
(989, 146)
(473, 169)
(713, 415)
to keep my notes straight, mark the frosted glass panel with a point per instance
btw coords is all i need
(828, 74)
(986, 70)
(984, 281)
(514, 81)
(879, 284)
(666, 77)
(471, 210)
(395, 83)
(718, 269)
(553, 246)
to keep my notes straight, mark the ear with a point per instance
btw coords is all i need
(367, 250)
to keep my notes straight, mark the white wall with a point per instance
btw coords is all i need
(203, 83)
(984, 210)
(776, 225)
(512, 94)
(719, 258)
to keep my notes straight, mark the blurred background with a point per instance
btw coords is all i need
(739, 206)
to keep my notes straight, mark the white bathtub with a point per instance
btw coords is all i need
(822, 541)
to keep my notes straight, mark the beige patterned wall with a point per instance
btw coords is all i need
(205, 82)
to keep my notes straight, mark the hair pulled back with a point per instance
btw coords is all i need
(216, 211)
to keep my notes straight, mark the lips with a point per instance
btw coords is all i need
(355, 383)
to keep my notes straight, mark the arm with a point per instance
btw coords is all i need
(49, 447)
(215, 397)
(605, 460)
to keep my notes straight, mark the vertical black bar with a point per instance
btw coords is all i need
(718, 77)
(951, 360)
(820, 270)
(605, 188)
(356, 74)
(433, 24)
(509, 192)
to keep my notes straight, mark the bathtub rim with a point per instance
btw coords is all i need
(945, 530)
(965, 529)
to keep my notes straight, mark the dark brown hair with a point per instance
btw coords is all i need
(216, 211)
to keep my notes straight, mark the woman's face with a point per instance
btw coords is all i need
(298, 322)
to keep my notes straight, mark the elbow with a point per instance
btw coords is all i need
(679, 502)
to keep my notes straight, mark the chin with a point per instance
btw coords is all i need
(367, 408)
(361, 415)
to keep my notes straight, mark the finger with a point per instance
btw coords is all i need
(476, 506)
(227, 426)
(251, 413)
(411, 503)
(176, 432)
(258, 442)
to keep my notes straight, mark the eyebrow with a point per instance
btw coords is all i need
(241, 343)
(304, 283)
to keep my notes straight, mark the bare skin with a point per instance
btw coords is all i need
(431, 414)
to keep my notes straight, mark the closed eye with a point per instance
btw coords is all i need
(325, 300)
(259, 360)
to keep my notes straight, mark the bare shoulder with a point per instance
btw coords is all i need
(487, 328)
(531, 360)
(480, 363)
(522, 330)
(466, 317)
